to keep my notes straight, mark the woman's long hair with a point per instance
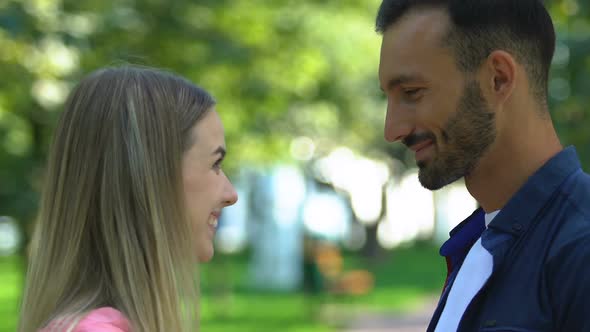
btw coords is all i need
(112, 228)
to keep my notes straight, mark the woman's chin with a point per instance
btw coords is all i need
(205, 255)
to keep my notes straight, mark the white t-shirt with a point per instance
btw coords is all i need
(475, 271)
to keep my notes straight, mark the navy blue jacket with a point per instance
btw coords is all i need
(540, 243)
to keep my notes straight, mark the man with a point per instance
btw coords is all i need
(466, 86)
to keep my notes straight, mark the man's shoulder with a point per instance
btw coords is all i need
(576, 192)
(571, 217)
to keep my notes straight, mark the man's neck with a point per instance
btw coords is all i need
(510, 161)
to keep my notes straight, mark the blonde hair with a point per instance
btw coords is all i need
(112, 228)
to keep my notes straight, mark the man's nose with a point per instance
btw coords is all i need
(397, 122)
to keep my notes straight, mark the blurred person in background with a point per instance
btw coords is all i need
(467, 90)
(133, 191)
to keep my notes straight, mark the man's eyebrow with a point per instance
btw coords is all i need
(401, 79)
(220, 150)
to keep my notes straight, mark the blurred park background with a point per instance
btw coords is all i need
(332, 223)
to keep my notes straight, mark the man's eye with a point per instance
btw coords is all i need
(217, 164)
(412, 92)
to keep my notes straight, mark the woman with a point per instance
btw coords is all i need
(133, 191)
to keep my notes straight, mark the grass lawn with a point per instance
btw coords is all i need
(10, 287)
(403, 278)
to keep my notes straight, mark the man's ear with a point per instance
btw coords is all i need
(501, 71)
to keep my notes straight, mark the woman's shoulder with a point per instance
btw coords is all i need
(104, 319)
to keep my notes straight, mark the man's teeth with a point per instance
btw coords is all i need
(213, 222)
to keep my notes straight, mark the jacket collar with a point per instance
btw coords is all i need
(463, 236)
(520, 211)
(518, 214)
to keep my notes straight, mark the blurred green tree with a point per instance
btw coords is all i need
(279, 69)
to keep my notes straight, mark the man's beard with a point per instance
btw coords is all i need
(466, 137)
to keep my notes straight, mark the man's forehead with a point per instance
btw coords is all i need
(413, 49)
(425, 24)
(416, 39)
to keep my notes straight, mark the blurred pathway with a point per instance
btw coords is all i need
(412, 322)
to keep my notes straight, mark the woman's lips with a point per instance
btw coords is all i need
(213, 219)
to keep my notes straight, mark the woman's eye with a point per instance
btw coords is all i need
(217, 164)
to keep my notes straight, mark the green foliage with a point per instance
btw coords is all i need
(11, 279)
(570, 76)
(279, 69)
(403, 279)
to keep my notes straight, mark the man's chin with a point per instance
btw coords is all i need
(432, 178)
(422, 164)
(430, 185)
(426, 162)
(434, 182)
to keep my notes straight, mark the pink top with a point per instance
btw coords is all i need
(105, 319)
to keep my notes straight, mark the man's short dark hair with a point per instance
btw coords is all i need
(521, 27)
